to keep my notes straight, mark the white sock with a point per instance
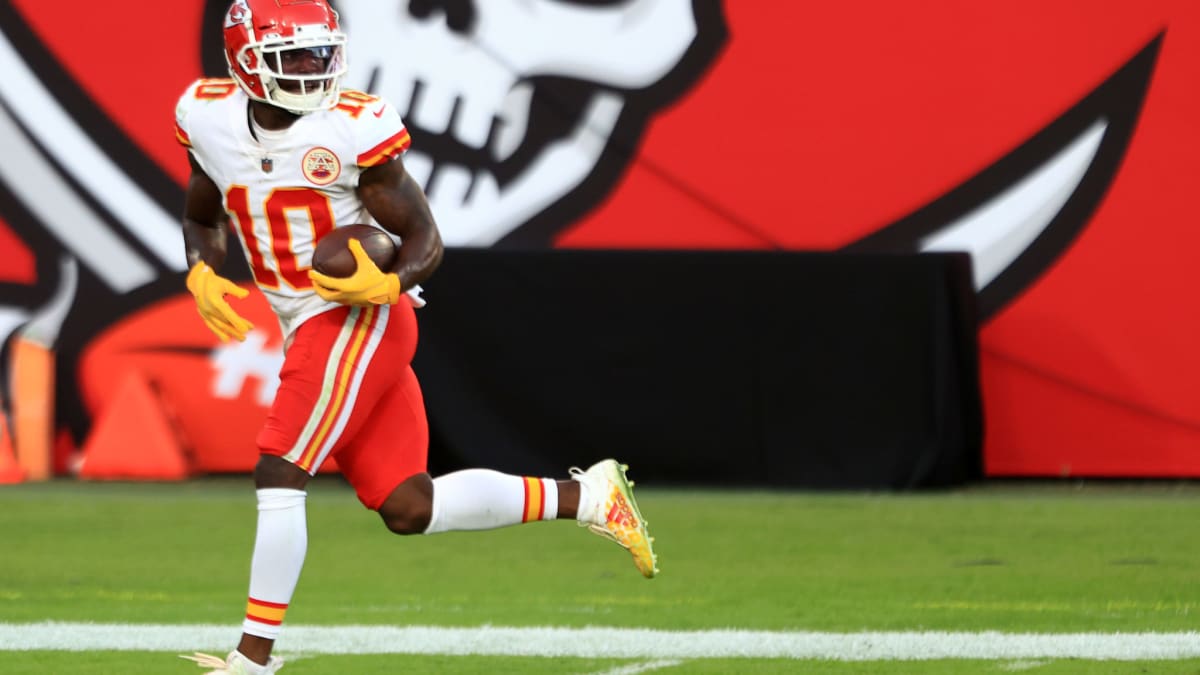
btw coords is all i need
(585, 512)
(280, 544)
(482, 499)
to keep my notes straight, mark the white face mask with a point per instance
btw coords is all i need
(285, 68)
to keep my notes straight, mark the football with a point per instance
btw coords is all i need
(332, 256)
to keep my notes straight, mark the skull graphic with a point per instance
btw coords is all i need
(515, 104)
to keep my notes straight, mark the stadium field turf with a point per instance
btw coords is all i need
(1043, 577)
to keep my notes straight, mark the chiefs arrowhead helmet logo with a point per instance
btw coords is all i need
(237, 15)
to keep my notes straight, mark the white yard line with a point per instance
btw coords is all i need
(596, 642)
(635, 668)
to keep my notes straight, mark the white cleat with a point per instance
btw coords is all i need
(234, 664)
(613, 513)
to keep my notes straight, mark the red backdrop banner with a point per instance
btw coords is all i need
(1055, 140)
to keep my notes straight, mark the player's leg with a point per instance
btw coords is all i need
(386, 465)
(386, 459)
(600, 498)
(280, 546)
(476, 499)
(318, 391)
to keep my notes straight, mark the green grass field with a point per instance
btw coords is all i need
(981, 564)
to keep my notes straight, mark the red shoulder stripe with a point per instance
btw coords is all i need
(387, 150)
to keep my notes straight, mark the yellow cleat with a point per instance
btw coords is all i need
(610, 511)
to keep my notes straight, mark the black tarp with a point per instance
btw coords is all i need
(821, 370)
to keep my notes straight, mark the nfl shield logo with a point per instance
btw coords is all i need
(267, 164)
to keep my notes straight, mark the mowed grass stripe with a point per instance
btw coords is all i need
(609, 642)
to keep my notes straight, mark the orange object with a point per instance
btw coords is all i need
(33, 407)
(10, 471)
(134, 439)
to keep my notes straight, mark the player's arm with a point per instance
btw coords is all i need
(204, 235)
(397, 203)
(205, 240)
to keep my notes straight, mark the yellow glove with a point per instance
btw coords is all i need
(367, 286)
(210, 291)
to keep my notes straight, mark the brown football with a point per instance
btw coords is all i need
(332, 256)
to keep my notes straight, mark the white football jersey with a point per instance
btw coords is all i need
(283, 190)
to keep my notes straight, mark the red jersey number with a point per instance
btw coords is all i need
(281, 207)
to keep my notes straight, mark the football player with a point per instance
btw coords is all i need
(281, 155)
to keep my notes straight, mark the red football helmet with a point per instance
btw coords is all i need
(262, 37)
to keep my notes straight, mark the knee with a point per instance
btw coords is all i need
(410, 506)
(413, 521)
(276, 472)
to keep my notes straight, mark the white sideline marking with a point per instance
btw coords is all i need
(1017, 666)
(598, 642)
(635, 668)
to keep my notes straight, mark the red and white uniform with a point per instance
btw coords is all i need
(347, 388)
(285, 189)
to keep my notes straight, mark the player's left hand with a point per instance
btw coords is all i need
(367, 286)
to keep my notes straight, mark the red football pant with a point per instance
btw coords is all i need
(347, 390)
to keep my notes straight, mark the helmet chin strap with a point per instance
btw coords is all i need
(301, 104)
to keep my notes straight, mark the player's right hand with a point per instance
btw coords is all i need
(210, 290)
